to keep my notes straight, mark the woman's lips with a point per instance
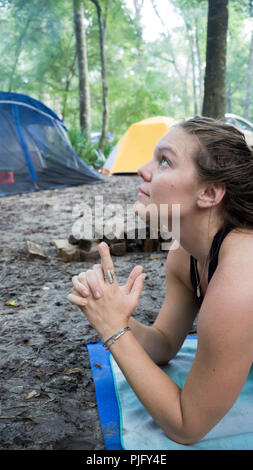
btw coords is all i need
(142, 193)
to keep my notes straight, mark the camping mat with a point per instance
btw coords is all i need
(137, 428)
(105, 393)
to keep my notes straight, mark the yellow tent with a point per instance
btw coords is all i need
(137, 145)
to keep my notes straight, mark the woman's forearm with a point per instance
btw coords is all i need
(152, 341)
(158, 393)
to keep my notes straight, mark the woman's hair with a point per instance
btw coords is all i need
(224, 157)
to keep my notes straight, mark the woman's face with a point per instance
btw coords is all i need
(171, 177)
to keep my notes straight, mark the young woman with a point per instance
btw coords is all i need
(205, 166)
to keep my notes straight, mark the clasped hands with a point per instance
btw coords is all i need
(106, 305)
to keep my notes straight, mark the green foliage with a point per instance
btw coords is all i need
(88, 151)
(237, 61)
(244, 6)
(38, 57)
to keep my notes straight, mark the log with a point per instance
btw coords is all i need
(118, 248)
(91, 254)
(85, 244)
(72, 240)
(150, 245)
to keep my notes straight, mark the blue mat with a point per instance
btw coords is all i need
(126, 425)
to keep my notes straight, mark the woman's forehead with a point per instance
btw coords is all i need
(178, 141)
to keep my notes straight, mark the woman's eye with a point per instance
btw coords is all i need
(164, 162)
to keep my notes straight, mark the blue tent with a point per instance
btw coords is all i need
(35, 152)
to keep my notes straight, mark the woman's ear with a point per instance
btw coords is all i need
(211, 195)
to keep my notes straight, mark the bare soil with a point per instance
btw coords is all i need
(47, 392)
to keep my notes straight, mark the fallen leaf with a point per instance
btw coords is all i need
(96, 364)
(11, 303)
(51, 398)
(76, 370)
(31, 395)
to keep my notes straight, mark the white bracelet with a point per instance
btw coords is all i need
(116, 336)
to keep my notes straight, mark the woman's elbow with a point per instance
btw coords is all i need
(185, 437)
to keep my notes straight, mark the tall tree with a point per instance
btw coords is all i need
(199, 62)
(214, 103)
(249, 79)
(190, 36)
(138, 6)
(102, 24)
(173, 59)
(193, 12)
(242, 9)
(81, 50)
(27, 17)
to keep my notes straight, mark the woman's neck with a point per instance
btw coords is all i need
(196, 236)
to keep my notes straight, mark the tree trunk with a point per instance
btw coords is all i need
(102, 23)
(249, 80)
(214, 104)
(199, 62)
(138, 5)
(182, 77)
(18, 50)
(69, 77)
(191, 42)
(229, 98)
(84, 89)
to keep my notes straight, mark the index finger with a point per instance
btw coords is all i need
(106, 260)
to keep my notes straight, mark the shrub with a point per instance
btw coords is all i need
(85, 149)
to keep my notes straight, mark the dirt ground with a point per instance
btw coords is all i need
(47, 392)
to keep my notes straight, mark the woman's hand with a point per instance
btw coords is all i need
(108, 307)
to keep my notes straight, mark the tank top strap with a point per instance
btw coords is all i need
(214, 253)
(215, 248)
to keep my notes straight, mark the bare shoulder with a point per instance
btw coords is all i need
(225, 336)
(234, 274)
(236, 254)
(226, 315)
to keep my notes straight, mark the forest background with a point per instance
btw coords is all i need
(100, 69)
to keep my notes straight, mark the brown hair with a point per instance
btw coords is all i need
(224, 157)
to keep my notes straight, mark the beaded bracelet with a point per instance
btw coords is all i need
(116, 336)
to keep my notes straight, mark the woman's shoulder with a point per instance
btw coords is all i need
(227, 306)
(237, 247)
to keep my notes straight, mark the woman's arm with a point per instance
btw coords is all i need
(223, 360)
(164, 338)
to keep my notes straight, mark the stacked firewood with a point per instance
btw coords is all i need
(78, 247)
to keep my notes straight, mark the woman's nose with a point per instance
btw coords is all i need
(145, 172)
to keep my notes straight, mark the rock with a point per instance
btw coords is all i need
(35, 251)
(86, 250)
(67, 252)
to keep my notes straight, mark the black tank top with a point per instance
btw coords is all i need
(214, 253)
